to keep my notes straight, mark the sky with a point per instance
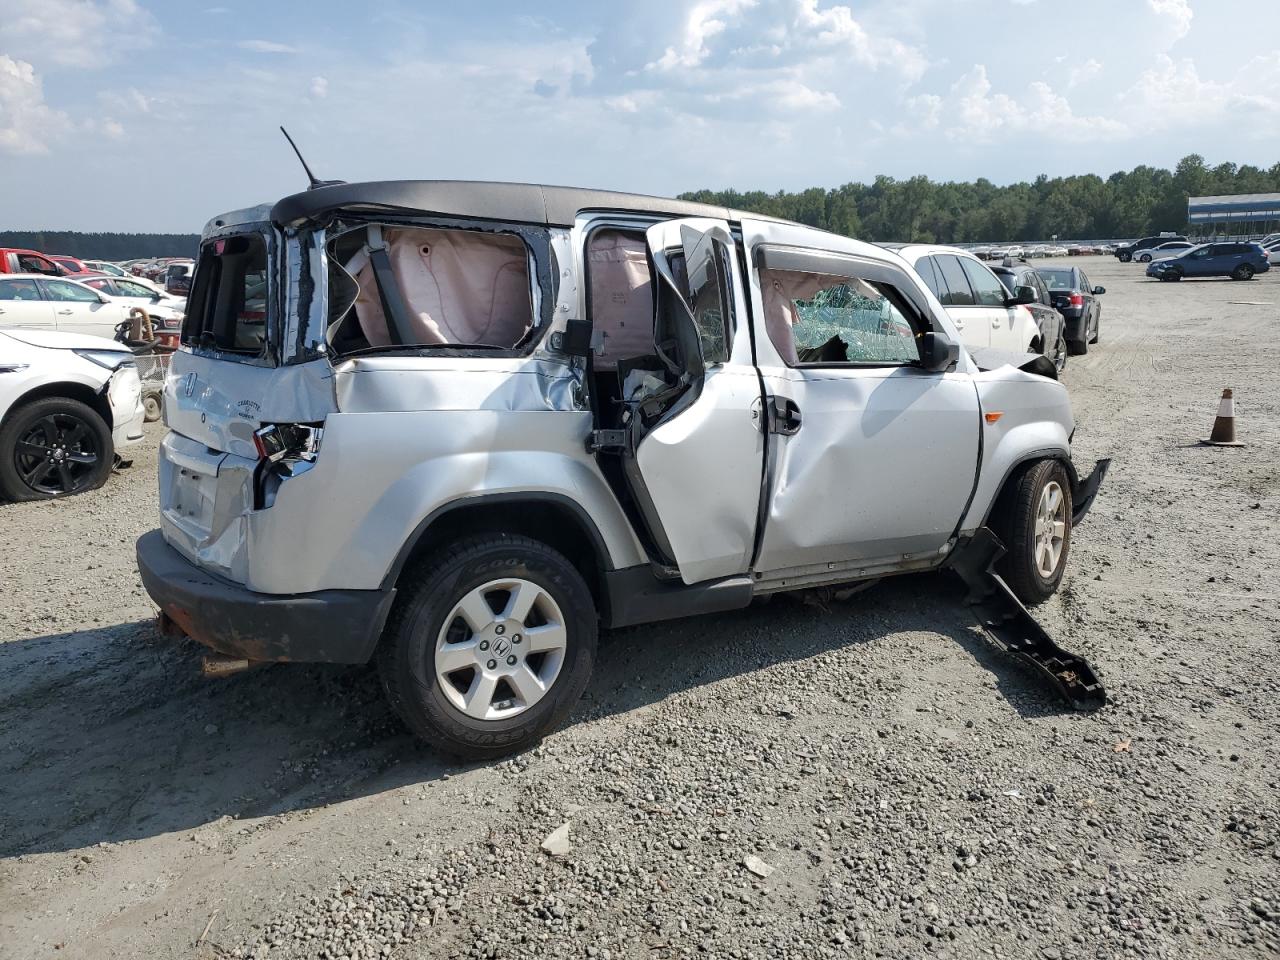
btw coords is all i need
(142, 115)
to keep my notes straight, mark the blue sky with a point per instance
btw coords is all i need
(143, 115)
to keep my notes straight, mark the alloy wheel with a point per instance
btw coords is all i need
(500, 649)
(1051, 528)
(57, 455)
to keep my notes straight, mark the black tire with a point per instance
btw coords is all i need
(1015, 524)
(76, 439)
(428, 594)
(1144, 258)
(1077, 348)
(1126, 257)
(151, 405)
(1242, 272)
(1097, 330)
(1061, 352)
(1172, 276)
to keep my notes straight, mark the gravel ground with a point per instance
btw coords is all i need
(865, 778)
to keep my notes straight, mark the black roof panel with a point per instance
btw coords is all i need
(512, 202)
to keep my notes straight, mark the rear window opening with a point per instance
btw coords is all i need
(403, 286)
(227, 310)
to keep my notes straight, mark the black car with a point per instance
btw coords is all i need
(1052, 326)
(1077, 299)
(1127, 251)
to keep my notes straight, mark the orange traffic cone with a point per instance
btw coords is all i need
(1224, 428)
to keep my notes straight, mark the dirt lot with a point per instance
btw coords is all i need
(916, 792)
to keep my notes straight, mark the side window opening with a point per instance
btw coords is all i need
(956, 291)
(987, 290)
(228, 306)
(455, 287)
(816, 319)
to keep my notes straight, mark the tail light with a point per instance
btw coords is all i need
(1076, 300)
(285, 450)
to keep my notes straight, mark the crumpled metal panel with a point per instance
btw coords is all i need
(379, 474)
(394, 384)
(220, 403)
(1035, 418)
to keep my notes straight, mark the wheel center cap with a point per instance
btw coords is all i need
(501, 646)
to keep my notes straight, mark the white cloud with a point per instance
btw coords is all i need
(266, 46)
(1176, 13)
(27, 123)
(76, 33)
(1172, 94)
(1083, 72)
(319, 87)
(972, 112)
(704, 21)
(113, 128)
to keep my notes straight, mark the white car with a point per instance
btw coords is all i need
(976, 300)
(102, 266)
(31, 301)
(1174, 248)
(165, 310)
(68, 404)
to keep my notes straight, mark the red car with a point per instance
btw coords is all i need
(70, 266)
(16, 260)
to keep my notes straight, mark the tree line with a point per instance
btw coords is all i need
(1136, 203)
(103, 246)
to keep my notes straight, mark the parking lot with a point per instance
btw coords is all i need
(913, 790)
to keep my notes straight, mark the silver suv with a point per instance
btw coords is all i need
(458, 427)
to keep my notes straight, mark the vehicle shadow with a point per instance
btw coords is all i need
(112, 735)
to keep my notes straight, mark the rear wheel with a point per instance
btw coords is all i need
(1144, 258)
(1126, 257)
(490, 646)
(1060, 353)
(1034, 521)
(151, 407)
(1242, 272)
(54, 447)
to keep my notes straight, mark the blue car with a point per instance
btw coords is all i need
(1239, 261)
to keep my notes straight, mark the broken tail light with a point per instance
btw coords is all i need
(285, 450)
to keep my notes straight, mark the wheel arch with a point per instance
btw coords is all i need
(95, 400)
(551, 518)
(1020, 465)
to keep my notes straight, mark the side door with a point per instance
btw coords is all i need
(1199, 262)
(871, 459)
(694, 453)
(1008, 327)
(23, 305)
(78, 309)
(972, 321)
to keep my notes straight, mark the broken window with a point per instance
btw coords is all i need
(814, 318)
(227, 309)
(426, 286)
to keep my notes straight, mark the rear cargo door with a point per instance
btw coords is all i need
(694, 454)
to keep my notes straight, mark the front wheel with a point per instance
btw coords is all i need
(1060, 353)
(1242, 272)
(1171, 275)
(1034, 521)
(54, 447)
(490, 646)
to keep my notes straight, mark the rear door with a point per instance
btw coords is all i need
(989, 297)
(23, 305)
(694, 455)
(973, 322)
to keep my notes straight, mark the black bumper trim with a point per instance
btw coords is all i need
(1086, 489)
(328, 626)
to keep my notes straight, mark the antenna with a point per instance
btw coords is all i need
(310, 176)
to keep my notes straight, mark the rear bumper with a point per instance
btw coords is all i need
(329, 626)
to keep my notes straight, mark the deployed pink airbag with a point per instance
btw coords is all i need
(459, 286)
(779, 289)
(621, 296)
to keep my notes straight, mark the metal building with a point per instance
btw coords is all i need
(1239, 214)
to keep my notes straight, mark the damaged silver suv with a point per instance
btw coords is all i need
(458, 427)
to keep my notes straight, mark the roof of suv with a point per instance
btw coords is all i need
(513, 202)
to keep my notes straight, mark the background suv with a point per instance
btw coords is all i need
(1239, 261)
(1127, 251)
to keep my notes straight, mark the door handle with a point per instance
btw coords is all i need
(64, 313)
